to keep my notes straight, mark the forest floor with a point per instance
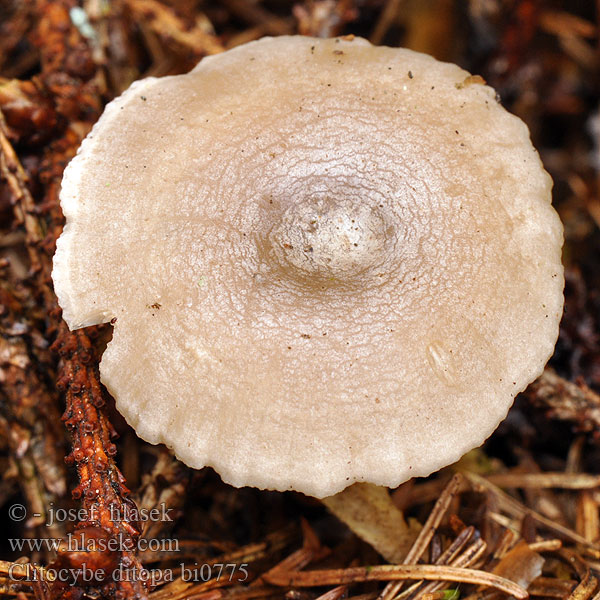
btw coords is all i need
(518, 516)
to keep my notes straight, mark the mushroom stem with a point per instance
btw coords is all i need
(368, 510)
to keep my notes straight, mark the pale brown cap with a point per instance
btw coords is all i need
(329, 262)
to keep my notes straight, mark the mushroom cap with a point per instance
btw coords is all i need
(328, 262)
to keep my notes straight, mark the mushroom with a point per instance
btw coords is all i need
(326, 262)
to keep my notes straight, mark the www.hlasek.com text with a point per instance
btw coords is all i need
(80, 542)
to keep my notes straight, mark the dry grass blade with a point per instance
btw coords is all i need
(394, 573)
(568, 481)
